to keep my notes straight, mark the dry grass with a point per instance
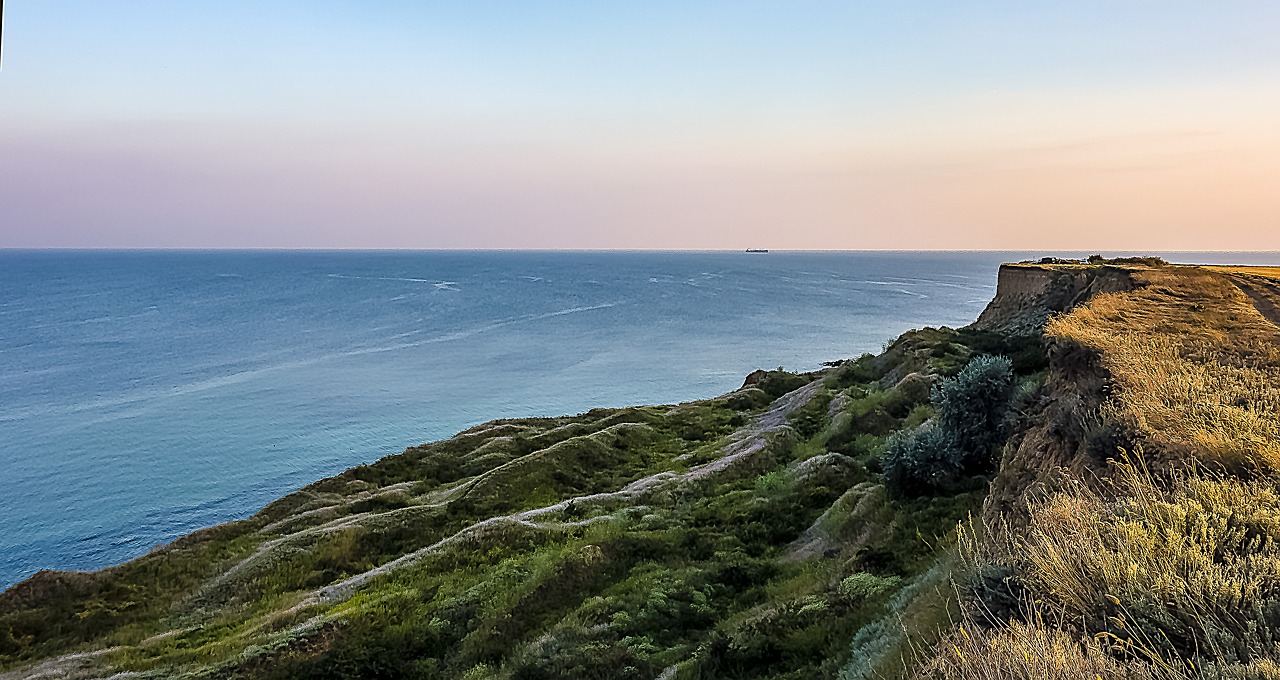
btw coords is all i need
(1170, 578)
(1155, 576)
(1187, 565)
(1034, 651)
(1195, 367)
(1038, 651)
(1183, 568)
(1269, 272)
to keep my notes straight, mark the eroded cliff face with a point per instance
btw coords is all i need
(1061, 436)
(1062, 432)
(1028, 294)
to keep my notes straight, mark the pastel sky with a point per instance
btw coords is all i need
(1083, 125)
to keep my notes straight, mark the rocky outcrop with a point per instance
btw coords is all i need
(1028, 294)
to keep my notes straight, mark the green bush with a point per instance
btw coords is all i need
(779, 382)
(961, 440)
(862, 586)
(921, 461)
(1147, 261)
(857, 371)
(971, 408)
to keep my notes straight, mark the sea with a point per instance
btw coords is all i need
(146, 394)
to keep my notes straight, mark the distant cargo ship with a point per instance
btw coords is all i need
(757, 250)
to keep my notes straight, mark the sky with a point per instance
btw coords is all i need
(1126, 125)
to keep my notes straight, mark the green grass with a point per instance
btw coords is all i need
(766, 569)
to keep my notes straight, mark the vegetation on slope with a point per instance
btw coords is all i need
(748, 536)
(800, 527)
(961, 440)
(1155, 554)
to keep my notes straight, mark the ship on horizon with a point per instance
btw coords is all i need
(757, 250)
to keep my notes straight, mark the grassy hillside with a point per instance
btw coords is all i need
(1095, 497)
(746, 536)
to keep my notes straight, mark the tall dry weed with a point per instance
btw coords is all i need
(1181, 568)
(1175, 575)
(1033, 651)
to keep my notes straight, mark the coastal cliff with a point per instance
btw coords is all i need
(1079, 485)
(1028, 294)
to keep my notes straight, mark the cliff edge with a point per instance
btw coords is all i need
(1028, 294)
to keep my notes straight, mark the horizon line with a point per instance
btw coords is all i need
(598, 250)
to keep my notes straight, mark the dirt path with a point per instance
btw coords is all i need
(77, 666)
(1265, 293)
(741, 446)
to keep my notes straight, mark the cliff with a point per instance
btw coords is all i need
(1101, 504)
(1129, 531)
(1028, 294)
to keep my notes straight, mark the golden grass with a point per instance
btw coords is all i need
(1023, 651)
(1269, 272)
(1170, 578)
(1037, 651)
(1188, 566)
(1175, 575)
(1192, 560)
(1195, 367)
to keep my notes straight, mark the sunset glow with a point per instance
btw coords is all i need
(809, 125)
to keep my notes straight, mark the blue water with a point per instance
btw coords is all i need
(146, 394)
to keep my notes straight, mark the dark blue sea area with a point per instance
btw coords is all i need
(145, 394)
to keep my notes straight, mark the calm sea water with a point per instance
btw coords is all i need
(146, 394)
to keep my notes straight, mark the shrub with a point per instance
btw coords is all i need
(855, 371)
(921, 461)
(777, 383)
(862, 585)
(971, 407)
(1145, 261)
(997, 593)
(963, 436)
(1027, 352)
(812, 417)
